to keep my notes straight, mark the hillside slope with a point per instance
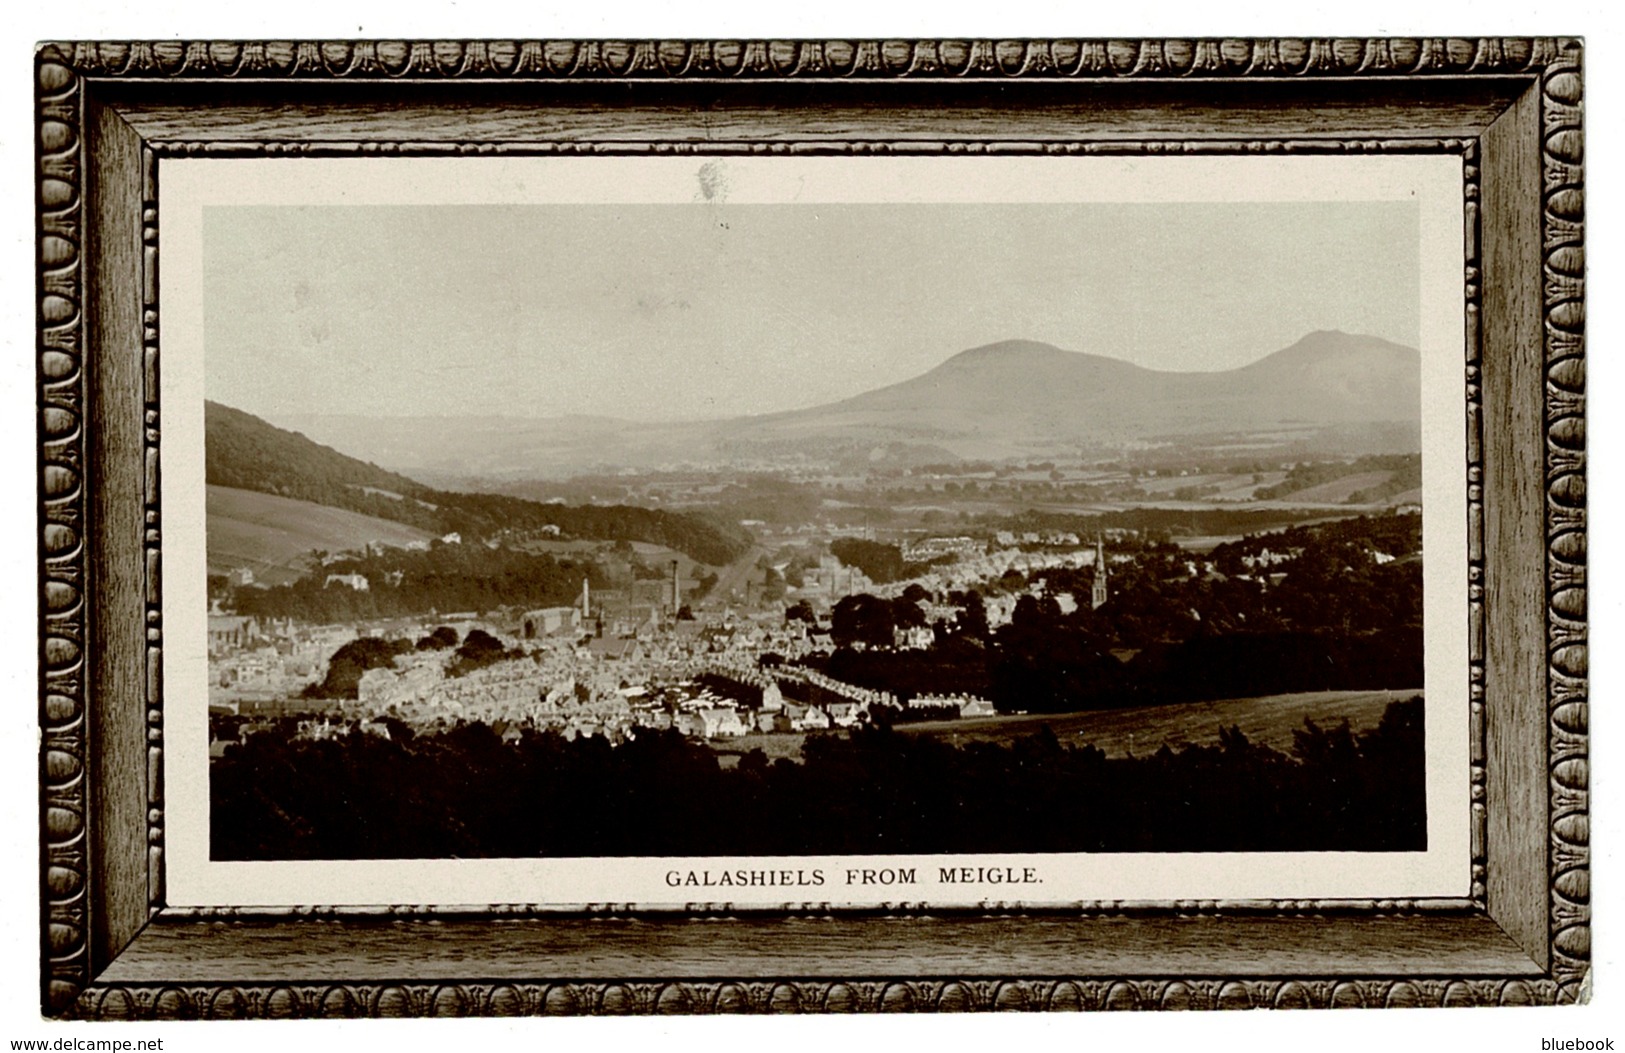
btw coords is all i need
(244, 452)
(274, 536)
(1023, 391)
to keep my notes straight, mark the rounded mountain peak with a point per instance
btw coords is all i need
(1325, 343)
(1007, 350)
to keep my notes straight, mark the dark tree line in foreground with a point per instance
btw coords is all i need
(465, 793)
(1063, 672)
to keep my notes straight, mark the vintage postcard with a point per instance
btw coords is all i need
(784, 530)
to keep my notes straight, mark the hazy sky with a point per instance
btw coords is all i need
(707, 310)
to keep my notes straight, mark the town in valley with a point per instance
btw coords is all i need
(748, 607)
(800, 527)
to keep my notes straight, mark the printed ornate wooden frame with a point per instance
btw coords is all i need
(1511, 108)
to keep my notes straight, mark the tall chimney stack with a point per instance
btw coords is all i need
(676, 591)
(1098, 594)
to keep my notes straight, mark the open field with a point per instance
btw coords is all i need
(1269, 720)
(1242, 487)
(271, 535)
(775, 744)
(1339, 490)
(540, 546)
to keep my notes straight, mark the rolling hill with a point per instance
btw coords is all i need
(1021, 392)
(1330, 391)
(243, 452)
(273, 536)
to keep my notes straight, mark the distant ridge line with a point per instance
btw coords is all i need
(1328, 391)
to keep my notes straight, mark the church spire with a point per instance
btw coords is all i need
(1098, 595)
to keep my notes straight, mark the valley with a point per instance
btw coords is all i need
(1023, 553)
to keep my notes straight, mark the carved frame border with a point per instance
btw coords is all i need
(97, 745)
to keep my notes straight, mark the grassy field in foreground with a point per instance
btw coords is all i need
(1269, 720)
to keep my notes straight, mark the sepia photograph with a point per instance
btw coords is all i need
(918, 527)
(679, 525)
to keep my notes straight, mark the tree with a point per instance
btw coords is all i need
(479, 649)
(863, 619)
(439, 640)
(906, 613)
(972, 613)
(1033, 612)
(881, 562)
(773, 586)
(350, 662)
(399, 730)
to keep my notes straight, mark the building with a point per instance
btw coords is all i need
(976, 707)
(927, 549)
(1098, 595)
(549, 621)
(806, 718)
(229, 633)
(721, 722)
(914, 638)
(845, 714)
(615, 649)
